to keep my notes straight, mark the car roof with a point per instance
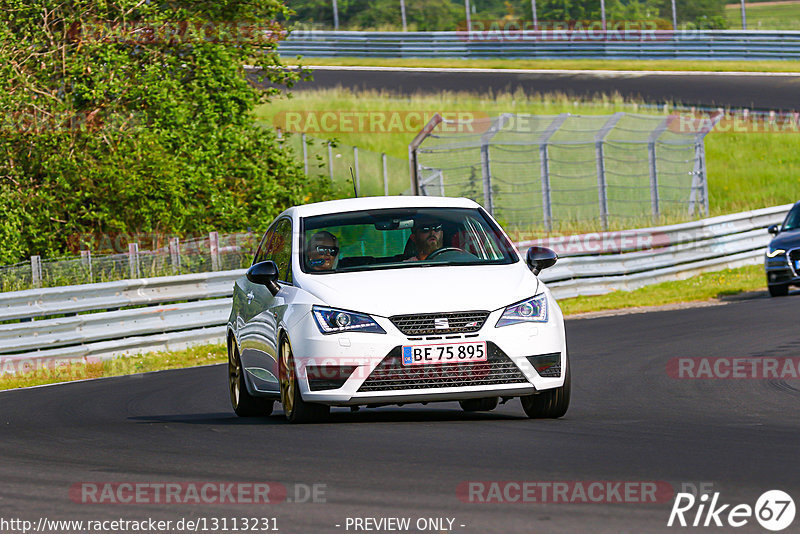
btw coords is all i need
(375, 203)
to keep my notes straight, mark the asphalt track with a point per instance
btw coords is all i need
(708, 90)
(629, 421)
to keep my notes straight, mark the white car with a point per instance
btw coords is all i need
(394, 300)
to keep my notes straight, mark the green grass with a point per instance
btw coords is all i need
(745, 170)
(770, 17)
(570, 64)
(154, 361)
(703, 287)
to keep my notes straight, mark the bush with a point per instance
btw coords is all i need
(126, 116)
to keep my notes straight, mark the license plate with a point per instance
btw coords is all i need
(466, 352)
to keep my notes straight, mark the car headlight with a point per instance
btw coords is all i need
(532, 310)
(333, 321)
(776, 252)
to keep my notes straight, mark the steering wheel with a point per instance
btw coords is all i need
(443, 250)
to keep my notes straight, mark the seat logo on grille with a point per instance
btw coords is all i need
(441, 323)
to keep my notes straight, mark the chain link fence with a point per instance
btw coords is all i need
(213, 252)
(375, 173)
(536, 172)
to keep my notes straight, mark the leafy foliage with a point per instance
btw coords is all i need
(133, 116)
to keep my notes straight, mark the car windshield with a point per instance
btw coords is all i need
(402, 238)
(792, 221)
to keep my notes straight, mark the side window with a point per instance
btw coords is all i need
(261, 252)
(280, 249)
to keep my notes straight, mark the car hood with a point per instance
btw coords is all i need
(424, 289)
(786, 240)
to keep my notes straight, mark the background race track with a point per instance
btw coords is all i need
(746, 90)
(629, 421)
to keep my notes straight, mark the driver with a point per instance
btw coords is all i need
(322, 250)
(427, 236)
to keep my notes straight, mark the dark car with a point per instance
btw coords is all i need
(783, 254)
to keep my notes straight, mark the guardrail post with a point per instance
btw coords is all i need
(305, 152)
(652, 163)
(175, 255)
(86, 261)
(36, 271)
(133, 259)
(544, 168)
(602, 186)
(213, 244)
(385, 175)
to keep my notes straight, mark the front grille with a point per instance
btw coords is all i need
(448, 323)
(391, 374)
(778, 262)
(794, 256)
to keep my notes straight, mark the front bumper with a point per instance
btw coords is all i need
(783, 269)
(372, 372)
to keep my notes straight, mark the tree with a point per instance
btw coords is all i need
(133, 116)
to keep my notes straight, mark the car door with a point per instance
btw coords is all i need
(243, 309)
(260, 350)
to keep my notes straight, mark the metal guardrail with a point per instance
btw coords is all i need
(652, 255)
(528, 44)
(84, 323)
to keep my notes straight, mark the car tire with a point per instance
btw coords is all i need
(294, 407)
(780, 290)
(486, 404)
(550, 403)
(243, 403)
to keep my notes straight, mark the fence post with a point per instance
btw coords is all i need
(305, 153)
(413, 163)
(699, 178)
(385, 175)
(355, 163)
(86, 261)
(330, 160)
(175, 255)
(544, 168)
(486, 167)
(36, 271)
(213, 244)
(133, 259)
(486, 174)
(652, 163)
(602, 186)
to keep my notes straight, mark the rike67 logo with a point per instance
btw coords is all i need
(774, 510)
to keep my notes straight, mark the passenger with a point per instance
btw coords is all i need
(322, 251)
(426, 236)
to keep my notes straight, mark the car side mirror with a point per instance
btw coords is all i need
(539, 258)
(266, 274)
(774, 229)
